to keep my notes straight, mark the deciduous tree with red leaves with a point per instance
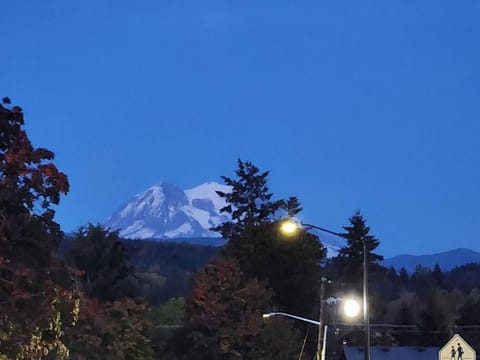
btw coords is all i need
(29, 185)
(224, 317)
(35, 298)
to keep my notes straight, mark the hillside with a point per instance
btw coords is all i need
(446, 260)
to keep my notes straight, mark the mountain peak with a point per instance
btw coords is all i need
(166, 211)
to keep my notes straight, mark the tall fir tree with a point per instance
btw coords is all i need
(288, 264)
(348, 264)
(250, 203)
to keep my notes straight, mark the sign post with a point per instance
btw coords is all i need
(457, 349)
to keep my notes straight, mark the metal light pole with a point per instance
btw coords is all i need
(366, 317)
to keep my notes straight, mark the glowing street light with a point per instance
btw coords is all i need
(289, 227)
(351, 308)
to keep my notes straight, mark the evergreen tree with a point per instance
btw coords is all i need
(465, 278)
(102, 258)
(470, 311)
(404, 277)
(111, 323)
(437, 276)
(250, 203)
(439, 312)
(289, 264)
(422, 281)
(349, 261)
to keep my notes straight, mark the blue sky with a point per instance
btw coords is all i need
(351, 105)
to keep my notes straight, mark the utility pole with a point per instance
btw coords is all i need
(320, 338)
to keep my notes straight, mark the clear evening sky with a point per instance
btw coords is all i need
(370, 105)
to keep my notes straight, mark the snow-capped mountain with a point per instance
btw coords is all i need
(166, 211)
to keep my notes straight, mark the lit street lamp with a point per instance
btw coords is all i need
(351, 307)
(290, 227)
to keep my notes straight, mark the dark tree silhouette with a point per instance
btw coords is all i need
(250, 203)
(103, 260)
(348, 264)
(29, 185)
(224, 318)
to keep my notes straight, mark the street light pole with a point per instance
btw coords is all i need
(324, 347)
(366, 317)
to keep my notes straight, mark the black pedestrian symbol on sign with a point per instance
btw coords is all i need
(453, 353)
(459, 351)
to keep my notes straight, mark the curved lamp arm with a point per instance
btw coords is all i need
(291, 225)
(323, 229)
(266, 316)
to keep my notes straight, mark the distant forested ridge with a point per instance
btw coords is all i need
(447, 260)
(176, 263)
(168, 267)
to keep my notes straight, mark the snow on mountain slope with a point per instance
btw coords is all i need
(166, 211)
(205, 193)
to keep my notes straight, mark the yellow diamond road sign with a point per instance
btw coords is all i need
(456, 349)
